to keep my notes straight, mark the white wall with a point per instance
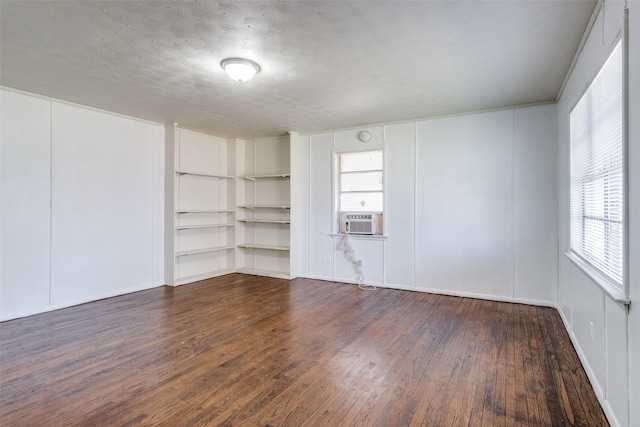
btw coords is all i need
(606, 337)
(82, 199)
(25, 233)
(470, 206)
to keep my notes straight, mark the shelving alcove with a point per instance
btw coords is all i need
(263, 196)
(200, 212)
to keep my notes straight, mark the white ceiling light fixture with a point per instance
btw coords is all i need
(240, 69)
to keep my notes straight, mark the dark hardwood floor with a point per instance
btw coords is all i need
(244, 350)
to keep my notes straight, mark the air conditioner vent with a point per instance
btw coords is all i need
(358, 223)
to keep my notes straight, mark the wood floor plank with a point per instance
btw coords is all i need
(243, 350)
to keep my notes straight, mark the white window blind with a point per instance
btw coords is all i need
(360, 182)
(597, 172)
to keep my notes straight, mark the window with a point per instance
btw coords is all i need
(360, 182)
(597, 172)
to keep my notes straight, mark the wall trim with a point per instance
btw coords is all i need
(497, 298)
(437, 117)
(74, 104)
(81, 301)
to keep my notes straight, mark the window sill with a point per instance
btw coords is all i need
(612, 291)
(360, 236)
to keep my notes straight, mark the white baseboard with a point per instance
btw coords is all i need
(72, 303)
(600, 395)
(439, 291)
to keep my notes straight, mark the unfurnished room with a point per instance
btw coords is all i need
(320, 213)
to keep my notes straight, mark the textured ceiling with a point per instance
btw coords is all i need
(325, 64)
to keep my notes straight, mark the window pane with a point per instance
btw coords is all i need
(361, 202)
(597, 171)
(594, 236)
(361, 181)
(365, 161)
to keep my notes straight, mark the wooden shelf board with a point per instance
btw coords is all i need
(210, 175)
(265, 221)
(203, 250)
(267, 273)
(265, 247)
(265, 207)
(189, 227)
(184, 211)
(271, 176)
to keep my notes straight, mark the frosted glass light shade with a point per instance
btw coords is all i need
(239, 69)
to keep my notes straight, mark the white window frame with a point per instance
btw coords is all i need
(616, 287)
(337, 187)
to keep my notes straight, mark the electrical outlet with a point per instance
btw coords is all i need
(328, 259)
(591, 331)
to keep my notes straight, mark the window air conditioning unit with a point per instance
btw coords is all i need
(358, 223)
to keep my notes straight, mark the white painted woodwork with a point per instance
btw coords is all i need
(203, 207)
(534, 186)
(320, 209)
(82, 194)
(462, 195)
(26, 197)
(264, 207)
(294, 200)
(633, 320)
(301, 227)
(103, 188)
(77, 183)
(464, 204)
(400, 197)
(604, 333)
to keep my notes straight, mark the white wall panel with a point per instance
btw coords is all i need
(534, 203)
(616, 349)
(400, 204)
(158, 205)
(320, 191)
(565, 293)
(272, 156)
(102, 210)
(369, 252)
(470, 205)
(611, 347)
(196, 151)
(25, 228)
(347, 140)
(304, 199)
(463, 236)
(588, 324)
(634, 213)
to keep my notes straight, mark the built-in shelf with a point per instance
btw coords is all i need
(264, 207)
(210, 175)
(271, 176)
(186, 211)
(265, 247)
(202, 276)
(265, 221)
(200, 228)
(203, 250)
(187, 227)
(267, 273)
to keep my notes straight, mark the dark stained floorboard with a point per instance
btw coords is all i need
(254, 351)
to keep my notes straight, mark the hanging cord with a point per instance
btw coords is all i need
(350, 254)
